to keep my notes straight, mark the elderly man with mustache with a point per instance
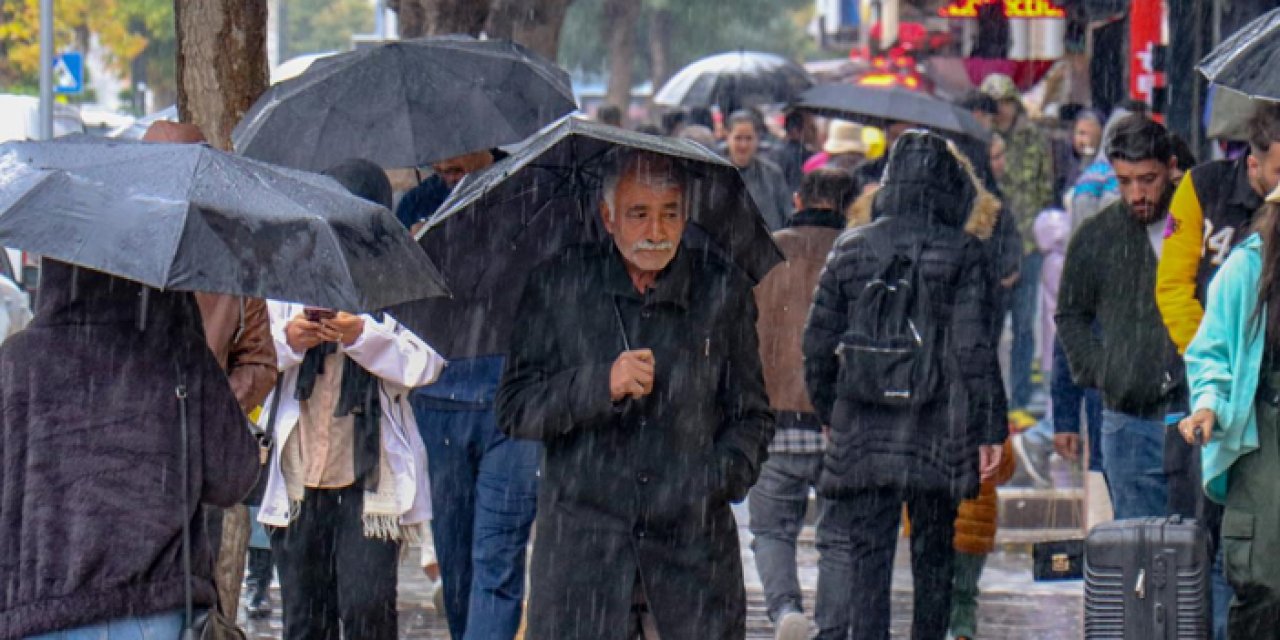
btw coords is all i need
(636, 363)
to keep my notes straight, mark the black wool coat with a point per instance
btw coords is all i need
(935, 447)
(90, 492)
(638, 490)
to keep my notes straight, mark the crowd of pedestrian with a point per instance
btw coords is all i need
(612, 435)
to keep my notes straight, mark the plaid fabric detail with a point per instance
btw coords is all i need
(797, 441)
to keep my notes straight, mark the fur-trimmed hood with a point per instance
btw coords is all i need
(928, 176)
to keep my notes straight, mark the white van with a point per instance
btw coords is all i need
(20, 120)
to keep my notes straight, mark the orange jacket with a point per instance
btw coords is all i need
(976, 520)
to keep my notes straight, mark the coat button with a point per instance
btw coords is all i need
(645, 314)
(644, 422)
(643, 477)
(640, 533)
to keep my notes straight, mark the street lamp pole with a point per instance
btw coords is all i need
(46, 69)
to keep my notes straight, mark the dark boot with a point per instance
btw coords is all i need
(259, 582)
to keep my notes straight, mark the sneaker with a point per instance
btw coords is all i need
(259, 603)
(792, 626)
(1020, 420)
(1035, 463)
(437, 597)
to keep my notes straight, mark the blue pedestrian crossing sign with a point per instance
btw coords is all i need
(68, 72)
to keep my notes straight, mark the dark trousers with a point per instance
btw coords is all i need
(1251, 530)
(484, 494)
(857, 539)
(330, 573)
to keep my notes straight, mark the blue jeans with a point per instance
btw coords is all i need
(777, 504)
(1133, 461)
(1067, 396)
(159, 626)
(484, 493)
(1026, 301)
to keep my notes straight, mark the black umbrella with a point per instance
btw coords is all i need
(1247, 61)
(735, 80)
(406, 104)
(191, 218)
(879, 106)
(500, 223)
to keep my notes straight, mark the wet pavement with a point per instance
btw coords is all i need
(1011, 605)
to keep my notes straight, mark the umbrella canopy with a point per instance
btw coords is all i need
(879, 106)
(500, 223)
(191, 218)
(735, 80)
(1246, 62)
(405, 104)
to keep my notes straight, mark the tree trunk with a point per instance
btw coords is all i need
(411, 18)
(533, 23)
(455, 16)
(620, 23)
(660, 27)
(222, 62)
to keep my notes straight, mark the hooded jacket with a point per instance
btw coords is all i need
(90, 493)
(930, 196)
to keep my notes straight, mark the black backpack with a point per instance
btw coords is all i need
(891, 353)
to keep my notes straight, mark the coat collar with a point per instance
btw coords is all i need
(672, 285)
(817, 218)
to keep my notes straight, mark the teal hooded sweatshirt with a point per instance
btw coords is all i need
(1224, 362)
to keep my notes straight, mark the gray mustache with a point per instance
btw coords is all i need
(645, 245)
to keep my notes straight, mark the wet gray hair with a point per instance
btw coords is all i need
(663, 176)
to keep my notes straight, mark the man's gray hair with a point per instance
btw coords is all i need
(651, 170)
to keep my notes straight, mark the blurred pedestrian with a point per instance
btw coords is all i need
(1076, 152)
(1096, 188)
(1108, 283)
(930, 447)
(239, 335)
(780, 498)
(764, 179)
(1233, 371)
(982, 106)
(648, 395)
(347, 483)
(700, 135)
(1027, 188)
(845, 147)
(422, 201)
(800, 143)
(91, 509)
(674, 121)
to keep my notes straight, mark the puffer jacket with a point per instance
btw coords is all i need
(930, 195)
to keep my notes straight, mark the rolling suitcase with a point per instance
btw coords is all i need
(1148, 579)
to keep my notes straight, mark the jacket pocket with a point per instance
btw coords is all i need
(1237, 547)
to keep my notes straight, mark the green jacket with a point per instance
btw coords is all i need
(1027, 184)
(1223, 363)
(1109, 281)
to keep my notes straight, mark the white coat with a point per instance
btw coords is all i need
(401, 361)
